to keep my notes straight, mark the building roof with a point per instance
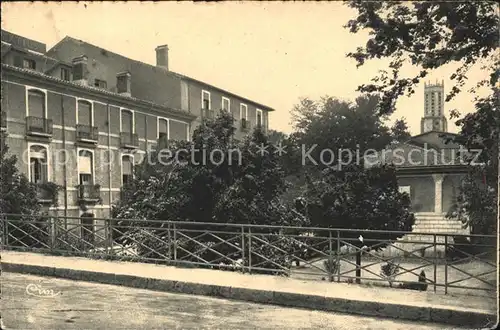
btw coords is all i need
(103, 92)
(435, 139)
(145, 69)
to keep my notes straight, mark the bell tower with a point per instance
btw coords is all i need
(434, 118)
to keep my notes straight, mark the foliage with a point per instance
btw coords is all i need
(17, 194)
(363, 199)
(240, 186)
(389, 271)
(340, 126)
(51, 190)
(429, 35)
(400, 130)
(331, 265)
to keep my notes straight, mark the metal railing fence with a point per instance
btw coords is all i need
(450, 262)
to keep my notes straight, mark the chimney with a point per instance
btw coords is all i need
(80, 71)
(162, 57)
(123, 82)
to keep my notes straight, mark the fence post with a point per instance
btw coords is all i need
(330, 260)
(243, 249)
(445, 265)
(5, 232)
(249, 250)
(51, 233)
(109, 235)
(175, 242)
(169, 235)
(435, 261)
(338, 255)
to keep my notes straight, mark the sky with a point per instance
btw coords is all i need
(272, 52)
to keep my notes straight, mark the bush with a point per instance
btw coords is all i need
(332, 266)
(389, 271)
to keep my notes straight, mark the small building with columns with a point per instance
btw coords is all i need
(430, 170)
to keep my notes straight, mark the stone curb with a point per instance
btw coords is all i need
(288, 299)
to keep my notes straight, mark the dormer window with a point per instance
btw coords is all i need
(65, 74)
(100, 84)
(29, 64)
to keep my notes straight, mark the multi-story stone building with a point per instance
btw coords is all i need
(81, 117)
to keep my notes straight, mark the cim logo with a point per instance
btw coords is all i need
(36, 290)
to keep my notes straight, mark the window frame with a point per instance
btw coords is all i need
(244, 106)
(92, 159)
(261, 117)
(158, 127)
(47, 153)
(228, 104)
(78, 100)
(131, 156)
(38, 90)
(203, 92)
(63, 69)
(133, 119)
(31, 61)
(100, 81)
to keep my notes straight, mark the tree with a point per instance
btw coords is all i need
(400, 130)
(19, 203)
(275, 137)
(337, 125)
(429, 35)
(360, 198)
(222, 181)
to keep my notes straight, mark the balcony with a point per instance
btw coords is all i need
(39, 126)
(129, 140)
(88, 134)
(208, 114)
(245, 125)
(90, 193)
(3, 121)
(47, 192)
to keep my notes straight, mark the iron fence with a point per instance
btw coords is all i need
(460, 263)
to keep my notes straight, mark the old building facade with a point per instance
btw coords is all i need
(82, 118)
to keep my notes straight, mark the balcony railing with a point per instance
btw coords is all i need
(129, 140)
(45, 194)
(3, 121)
(38, 126)
(89, 192)
(245, 125)
(208, 114)
(85, 133)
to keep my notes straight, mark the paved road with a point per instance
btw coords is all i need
(31, 302)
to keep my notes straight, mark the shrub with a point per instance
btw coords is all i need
(389, 271)
(331, 265)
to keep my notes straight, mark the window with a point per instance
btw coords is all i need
(243, 111)
(127, 121)
(84, 109)
(179, 131)
(205, 100)
(38, 164)
(226, 104)
(259, 118)
(29, 64)
(36, 103)
(162, 128)
(85, 167)
(65, 75)
(100, 83)
(127, 169)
